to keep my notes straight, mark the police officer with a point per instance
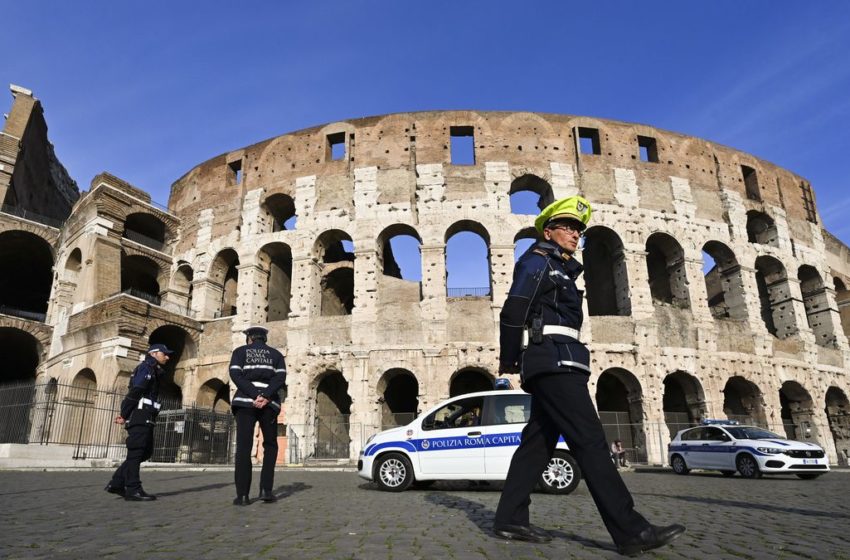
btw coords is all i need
(138, 415)
(259, 373)
(539, 331)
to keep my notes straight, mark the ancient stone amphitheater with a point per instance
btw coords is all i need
(712, 288)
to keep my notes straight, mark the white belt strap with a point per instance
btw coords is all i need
(564, 331)
(143, 402)
(259, 384)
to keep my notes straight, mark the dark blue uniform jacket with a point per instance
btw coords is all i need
(257, 369)
(144, 390)
(543, 286)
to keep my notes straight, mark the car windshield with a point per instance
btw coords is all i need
(751, 432)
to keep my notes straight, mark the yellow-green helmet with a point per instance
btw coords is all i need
(574, 207)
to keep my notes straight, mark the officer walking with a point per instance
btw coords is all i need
(138, 415)
(259, 373)
(540, 324)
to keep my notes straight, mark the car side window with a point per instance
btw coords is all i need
(713, 434)
(692, 435)
(507, 409)
(456, 414)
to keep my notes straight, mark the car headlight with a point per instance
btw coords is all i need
(769, 450)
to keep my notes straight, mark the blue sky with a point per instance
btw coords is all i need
(148, 90)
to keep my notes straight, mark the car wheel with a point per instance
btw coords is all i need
(393, 472)
(808, 476)
(747, 466)
(678, 464)
(727, 474)
(561, 475)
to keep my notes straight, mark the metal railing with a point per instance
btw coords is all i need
(142, 239)
(150, 298)
(23, 313)
(31, 216)
(467, 292)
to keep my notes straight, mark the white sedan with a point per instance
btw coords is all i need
(468, 437)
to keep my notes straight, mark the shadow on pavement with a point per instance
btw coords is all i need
(287, 490)
(748, 505)
(195, 489)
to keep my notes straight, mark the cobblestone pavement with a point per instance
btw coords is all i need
(336, 515)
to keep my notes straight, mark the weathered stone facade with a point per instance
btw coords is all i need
(762, 335)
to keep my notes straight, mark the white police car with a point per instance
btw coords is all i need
(749, 450)
(468, 437)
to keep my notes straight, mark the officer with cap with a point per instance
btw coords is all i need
(540, 339)
(138, 415)
(259, 373)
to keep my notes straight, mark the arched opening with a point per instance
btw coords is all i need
(684, 401)
(224, 276)
(777, 310)
(761, 229)
(178, 340)
(665, 263)
(838, 415)
(470, 380)
(818, 313)
(183, 287)
(467, 260)
(27, 264)
(797, 411)
(743, 401)
(605, 275)
(399, 398)
(333, 410)
(145, 229)
(723, 282)
(400, 253)
(214, 394)
(619, 401)
(523, 241)
(19, 354)
(842, 300)
(275, 260)
(78, 406)
(338, 292)
(73, 267)
(335, 251)
(529, 194)
(139, 277)
(280, 210)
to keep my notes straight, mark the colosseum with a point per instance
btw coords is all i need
(712, 288)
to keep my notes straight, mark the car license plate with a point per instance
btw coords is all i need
(810, 461)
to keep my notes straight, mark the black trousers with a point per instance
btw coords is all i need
(561, 405)
(139, 449)
(246, 418)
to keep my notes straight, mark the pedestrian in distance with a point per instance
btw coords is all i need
(618, 454)
(540, 339)
(139, 410)
(259, 373)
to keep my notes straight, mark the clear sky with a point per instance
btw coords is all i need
(148, 90)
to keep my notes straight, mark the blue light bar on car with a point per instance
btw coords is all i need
(719, 422)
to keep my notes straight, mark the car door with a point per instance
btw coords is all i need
(714, 448)
(451, 440)
(690, 448)
(505, 416)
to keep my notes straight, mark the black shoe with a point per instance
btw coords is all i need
(522, 533)
(241, 501)
(267, 496)
(138, 496)
(651, 537)
(114, 489)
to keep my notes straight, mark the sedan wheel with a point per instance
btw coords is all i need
(393, 472)
(747, 466)
(562, 474)
(678, 464)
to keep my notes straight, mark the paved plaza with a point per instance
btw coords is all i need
(335, 515)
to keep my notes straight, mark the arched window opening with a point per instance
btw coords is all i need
(665, 263)
(723, 282)
(73, 265)
(139, 277)
(338, 292)
(743, 401)
(684, 401)
(178, 340)
(467, 261)
(145, 229)
(842, 300)
(838, 416)
(224, 277)
(280, 210)
(275, 260)
(529, 194)
(470, 380)
(333, 410)
(619, 400)
(215, 395)
(27, 264)
(818, 312)
(399, 398)
(183, 287)
(777, 310)
(605, 273)
(20, 352)
(523, 241)
(761, 229)
(797, 412)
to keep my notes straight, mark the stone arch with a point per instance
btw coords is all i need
(838, 416)
(398, 395)
(275, 280)
(333, 410)
(399, 249)
(214, 394)
(525, 238)
(387, 255)
(279, 210)
(665, 263)
(683, 402)
(20, 354)
(139, 277)
(619, 401)
(605, 273)
(527, 187)
(797, 410)
(334, 250)
(470, 379)
(146, 229)
(224, 282)
(723, 282)
(761, 229)
(842, 300)
(743, 401)
(26, 260)
(185, 348)
(818, 312)
(468, 260)
(73, 265)
(776, 304)
(183, 286)
(78, 402)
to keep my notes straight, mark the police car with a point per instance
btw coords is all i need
(752, 451)
(468, 437)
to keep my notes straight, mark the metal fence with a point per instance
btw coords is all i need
(80, 418)
(467, 292)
